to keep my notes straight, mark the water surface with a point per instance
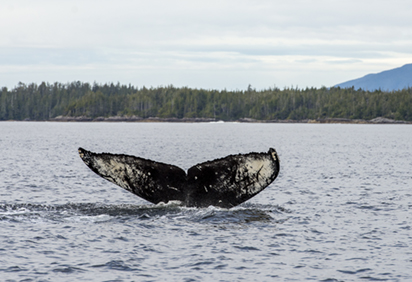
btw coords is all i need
(340, 209)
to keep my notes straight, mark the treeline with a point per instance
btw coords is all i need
(47, 101)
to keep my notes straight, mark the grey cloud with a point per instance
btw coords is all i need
(341, 62)
(45, 56)
(214, 36)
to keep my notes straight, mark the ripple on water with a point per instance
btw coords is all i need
(339, 210)
(91, 212)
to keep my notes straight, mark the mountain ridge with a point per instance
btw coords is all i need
(388, 80)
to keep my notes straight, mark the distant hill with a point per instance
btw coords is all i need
(390, 80)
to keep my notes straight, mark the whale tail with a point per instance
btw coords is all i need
(224, 182)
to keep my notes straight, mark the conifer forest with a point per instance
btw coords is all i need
(47, 101)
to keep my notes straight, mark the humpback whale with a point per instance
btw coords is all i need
(224, 182)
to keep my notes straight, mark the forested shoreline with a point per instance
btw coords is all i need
(84, 101)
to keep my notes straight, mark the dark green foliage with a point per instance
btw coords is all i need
(47, 101)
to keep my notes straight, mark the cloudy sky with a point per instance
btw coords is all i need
(202, 44)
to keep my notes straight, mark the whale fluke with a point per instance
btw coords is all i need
(225, 182)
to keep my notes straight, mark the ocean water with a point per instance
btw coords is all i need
(340, 209)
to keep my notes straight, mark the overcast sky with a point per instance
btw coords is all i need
(202, 44)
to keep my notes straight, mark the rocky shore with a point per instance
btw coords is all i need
(129, 119)
(378, 120)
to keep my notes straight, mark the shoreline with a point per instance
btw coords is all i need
(378, 120)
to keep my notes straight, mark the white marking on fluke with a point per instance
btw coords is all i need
(224, 182)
